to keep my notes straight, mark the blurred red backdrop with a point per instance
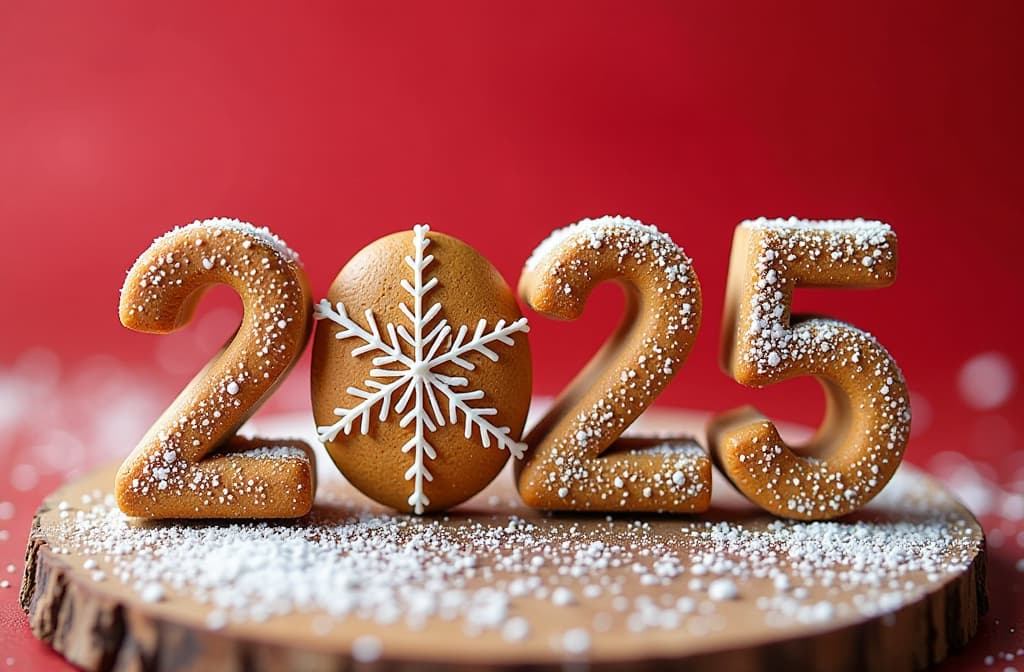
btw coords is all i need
(335, 123)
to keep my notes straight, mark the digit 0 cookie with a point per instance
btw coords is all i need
(577, 460)
(867, 422)
(190, 464)
(421, 373)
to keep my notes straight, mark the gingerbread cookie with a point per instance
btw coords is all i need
(577, 460)
(421, 374)
(867, 423)
(172, 473)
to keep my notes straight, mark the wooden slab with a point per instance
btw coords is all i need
(899, 586)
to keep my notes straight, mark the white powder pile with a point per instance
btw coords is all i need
(488, 572)
(262, 233)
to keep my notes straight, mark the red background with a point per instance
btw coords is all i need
(336, 123)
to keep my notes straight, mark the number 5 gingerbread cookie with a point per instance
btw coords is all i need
(867, 421)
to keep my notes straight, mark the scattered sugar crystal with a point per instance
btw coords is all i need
(152, 592)
(686, 605)
(384, 568)
(823, 611)
(366, 649)
(562, 597)
(216, 620)
(722, 589)
(515, 629)
(576, 641)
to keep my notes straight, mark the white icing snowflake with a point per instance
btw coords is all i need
(431, 347)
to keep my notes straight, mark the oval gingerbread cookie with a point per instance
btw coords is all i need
(421, 371)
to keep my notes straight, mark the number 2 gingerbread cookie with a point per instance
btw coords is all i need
(190, 464)
(578, 460)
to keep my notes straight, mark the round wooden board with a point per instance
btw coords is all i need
(834, 614)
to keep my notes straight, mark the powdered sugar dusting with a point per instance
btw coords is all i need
(261, 233)
(594, 230)
(497, 570)
(863, 229)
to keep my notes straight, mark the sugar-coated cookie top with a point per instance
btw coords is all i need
(273, 453)
(261, 233)
(596, 229)
(861, 228)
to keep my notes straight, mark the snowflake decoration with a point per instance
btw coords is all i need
(423, 385)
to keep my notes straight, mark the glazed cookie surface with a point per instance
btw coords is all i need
(190, 464)
(867, 421)
(577, 460)
(421, 376)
